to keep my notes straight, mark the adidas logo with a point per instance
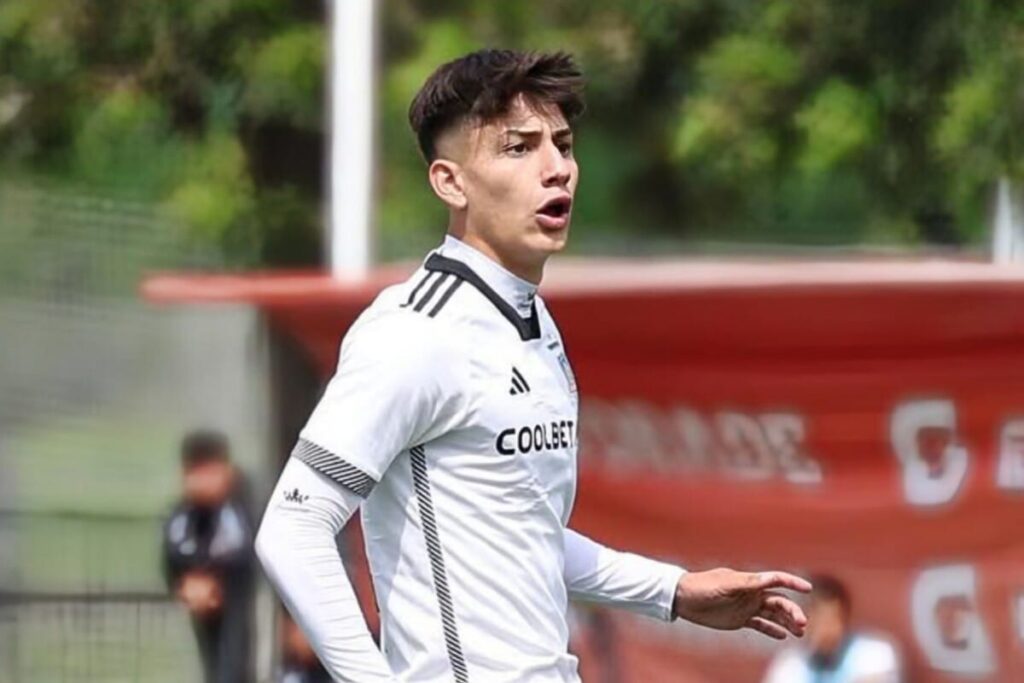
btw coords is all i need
(519, 385)
(295, 497)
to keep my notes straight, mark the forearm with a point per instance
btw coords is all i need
(595, 573)
(296, 545)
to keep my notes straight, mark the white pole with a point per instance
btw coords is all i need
(351, 162)
(1007, 225)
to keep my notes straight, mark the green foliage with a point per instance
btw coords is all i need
(804, 121)
(171, 104)
(839, 123)
(215, 191)
(284, 75)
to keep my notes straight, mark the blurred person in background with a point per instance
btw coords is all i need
(298, 661)
(452, 423)
(832, 651)
(208, 559)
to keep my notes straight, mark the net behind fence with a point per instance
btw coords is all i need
(108, 638)
(96, 390)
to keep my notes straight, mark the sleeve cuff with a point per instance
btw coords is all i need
(669, 583)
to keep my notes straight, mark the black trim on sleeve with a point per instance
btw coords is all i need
(444, 595)
(334, 467)
(528, 328)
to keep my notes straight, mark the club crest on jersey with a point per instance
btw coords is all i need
(567, 369)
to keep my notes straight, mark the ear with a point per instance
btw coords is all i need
(448, 183)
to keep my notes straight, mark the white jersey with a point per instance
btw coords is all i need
(454, 414)
(862, 659)
(465, 448)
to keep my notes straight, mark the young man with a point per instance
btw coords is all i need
(452, 422)
(834, 652)
(208, 558)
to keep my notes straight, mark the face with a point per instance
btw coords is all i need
(209, 483)
(826, 625)
(510, 185)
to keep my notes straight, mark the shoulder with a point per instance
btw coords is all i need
(390, 343)
(874, 651)
(788, 666)
(398, 332)
(431, 308)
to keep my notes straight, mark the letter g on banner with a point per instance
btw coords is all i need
(946, 621)
(924, 437)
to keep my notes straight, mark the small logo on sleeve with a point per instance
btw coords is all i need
(294, 496)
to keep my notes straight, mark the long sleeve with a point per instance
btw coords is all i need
(296, 545)
(595, 573)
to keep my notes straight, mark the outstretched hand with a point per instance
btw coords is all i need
(728, 600)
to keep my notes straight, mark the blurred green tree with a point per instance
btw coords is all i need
(212, 110)
(769, 121)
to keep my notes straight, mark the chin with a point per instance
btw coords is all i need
(553, 242)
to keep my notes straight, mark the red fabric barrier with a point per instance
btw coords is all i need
(872, 433)
(862, 424)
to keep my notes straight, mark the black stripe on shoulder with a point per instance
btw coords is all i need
(334, 467)
(417, 288)
(528, 328)
(425, 299)
(444, 297)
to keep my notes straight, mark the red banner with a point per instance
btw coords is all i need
(863, 421)
(876, 434)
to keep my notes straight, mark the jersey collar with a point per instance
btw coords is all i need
(511, 295)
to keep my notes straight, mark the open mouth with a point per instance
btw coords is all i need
(556, 208)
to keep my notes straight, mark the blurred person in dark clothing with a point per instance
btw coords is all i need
(299, 664)
(832, 651)
(208, 556)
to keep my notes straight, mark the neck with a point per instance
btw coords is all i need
(533, 273)
(517, 291)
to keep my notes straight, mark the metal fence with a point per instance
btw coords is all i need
(96, 389)
(103, 637)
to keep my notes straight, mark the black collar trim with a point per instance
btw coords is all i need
(528, 328)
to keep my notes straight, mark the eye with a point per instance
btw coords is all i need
(565, 148)
(517, 149)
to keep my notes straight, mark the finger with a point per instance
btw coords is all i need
(766, 580)
(783, 621)
(768, 628)
(783, 605)
(785, 616)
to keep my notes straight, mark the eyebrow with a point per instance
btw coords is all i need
(534, 132)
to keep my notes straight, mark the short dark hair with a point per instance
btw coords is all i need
(203, 445)
(482, 85)
(831, 589)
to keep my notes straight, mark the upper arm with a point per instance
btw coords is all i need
(396, 385)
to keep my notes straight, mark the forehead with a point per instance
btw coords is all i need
(527, 115)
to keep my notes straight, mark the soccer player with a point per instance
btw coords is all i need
(452, 423)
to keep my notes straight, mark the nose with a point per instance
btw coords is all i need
(557, 169)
